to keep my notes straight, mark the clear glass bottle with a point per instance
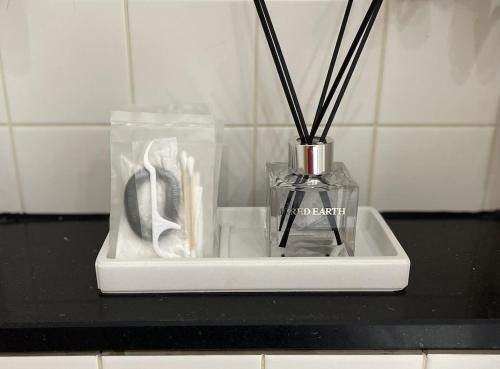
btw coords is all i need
(312, 203)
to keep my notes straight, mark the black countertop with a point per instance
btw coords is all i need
(49, 300)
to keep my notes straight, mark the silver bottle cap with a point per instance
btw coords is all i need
(312, 159)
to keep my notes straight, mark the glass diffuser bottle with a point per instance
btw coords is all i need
(312, 203)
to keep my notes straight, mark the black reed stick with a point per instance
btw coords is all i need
(299, 196)
(282, 69)
(296, 204)
(285, 68)
(325, 199)
(286, 82)
(285, 78)
(351, 70)
(361, 37)
(343, 67)
(332, 65)
(298, 180)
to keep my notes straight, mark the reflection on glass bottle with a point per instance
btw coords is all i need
(312, 203)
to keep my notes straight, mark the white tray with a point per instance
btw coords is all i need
(379, 263)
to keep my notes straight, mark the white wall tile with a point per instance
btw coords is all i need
(237, 174)
(3, 111)
(65, 61)
(182, 362)
(359, 361)
(493, 195)
(441, 62)
(463, 361)
(64, 169)
(9, 192)
(195, 51)
(3, 114)
(353, 146)
(431, 168)
(49, 362)
(307, 31)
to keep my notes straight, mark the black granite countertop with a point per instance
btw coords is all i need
(49, 299)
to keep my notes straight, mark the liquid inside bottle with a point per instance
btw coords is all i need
(311, 212)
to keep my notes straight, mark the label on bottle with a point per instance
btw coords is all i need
(314, 211)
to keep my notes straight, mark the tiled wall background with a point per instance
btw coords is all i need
(418, 127)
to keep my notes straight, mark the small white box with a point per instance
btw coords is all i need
(379, 263)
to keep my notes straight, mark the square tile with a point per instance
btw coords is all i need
(441, 62)
(64, 61)
(49, 362)
(431, 169)
(184, 362)
(236, 186)
(353, 146)
(307, 32)
(493, 194)
(463, 361)
(345, 361)
(3, 111)
(195, 51)
(9, 191)
(64, 169)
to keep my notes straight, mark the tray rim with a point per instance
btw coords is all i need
(400, 252)
(393, 270)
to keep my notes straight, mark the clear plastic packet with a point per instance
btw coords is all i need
(165, 165)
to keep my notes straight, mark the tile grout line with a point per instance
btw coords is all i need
(424, 359)
(378, 98)
(434, 125)
(364, 125)
(100, 364)
(254, 111)
(126, 16)
(68, 125)
(384, 125)
(488, 181)
(8, 115)
(284, 125)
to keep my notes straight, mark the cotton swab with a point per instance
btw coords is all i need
(197, 215)
(186, 201)
(190, 171)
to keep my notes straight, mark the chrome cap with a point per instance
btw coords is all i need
(313, 159)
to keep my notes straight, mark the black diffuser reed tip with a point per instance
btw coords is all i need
(361, 30)
(336, 50)
(378, 4)
(281, 67)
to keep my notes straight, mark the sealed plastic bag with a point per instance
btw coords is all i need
(165, 164)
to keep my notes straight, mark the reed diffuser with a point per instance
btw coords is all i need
(312, 200)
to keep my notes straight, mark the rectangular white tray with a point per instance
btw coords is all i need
(379, 263)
